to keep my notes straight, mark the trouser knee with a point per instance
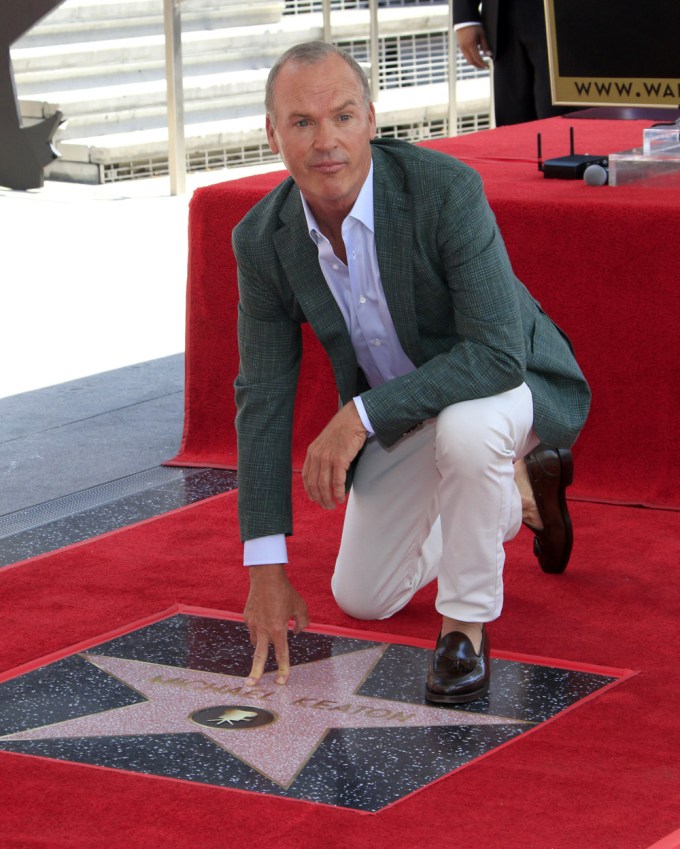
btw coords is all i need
(468, 444)
(358, 604)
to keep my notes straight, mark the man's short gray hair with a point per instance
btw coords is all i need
(311, 53)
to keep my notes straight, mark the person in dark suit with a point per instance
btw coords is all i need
(513, 33)
(448, 372)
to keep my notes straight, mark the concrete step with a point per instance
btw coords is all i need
(420, 112)
(133, 106)
(126, 58)
(39, 71)
(217, 99)
(79, 20)
(239, 120)
(118, 100)
(233, 46)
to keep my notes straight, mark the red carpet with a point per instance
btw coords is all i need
(604, 776)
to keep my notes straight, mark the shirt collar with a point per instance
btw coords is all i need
(361, 211)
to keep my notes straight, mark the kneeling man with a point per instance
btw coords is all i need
(460, 397)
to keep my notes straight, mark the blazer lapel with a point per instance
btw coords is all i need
(394, 236)
(300, 261)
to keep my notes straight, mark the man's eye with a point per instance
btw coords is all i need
(303, 122)
(345, 117)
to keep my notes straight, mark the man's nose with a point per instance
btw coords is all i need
(325, 137)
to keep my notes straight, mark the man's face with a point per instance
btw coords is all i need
(322, 129)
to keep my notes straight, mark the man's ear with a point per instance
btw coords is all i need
(273, 146)
(372, 120)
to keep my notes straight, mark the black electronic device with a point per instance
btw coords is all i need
(570, 167)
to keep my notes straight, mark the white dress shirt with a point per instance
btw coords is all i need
(358, 292)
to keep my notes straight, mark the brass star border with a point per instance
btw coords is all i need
(351, 729)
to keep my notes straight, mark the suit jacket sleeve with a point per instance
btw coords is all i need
(466, 11)
(270, 353)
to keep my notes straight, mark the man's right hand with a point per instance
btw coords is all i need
(474, 46)
(272, 603)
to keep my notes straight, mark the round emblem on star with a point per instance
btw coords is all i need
(233, 717)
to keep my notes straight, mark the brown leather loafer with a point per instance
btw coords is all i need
(457, 674)
(551, 471)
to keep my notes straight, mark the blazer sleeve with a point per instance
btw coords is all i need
(270, 351)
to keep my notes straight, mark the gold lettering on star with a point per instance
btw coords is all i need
(354, 709)
(211, 686)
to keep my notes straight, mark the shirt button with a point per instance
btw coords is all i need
(377, 343)
(335, 266)
(362, 300)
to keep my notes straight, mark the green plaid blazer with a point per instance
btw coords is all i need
(466, 322)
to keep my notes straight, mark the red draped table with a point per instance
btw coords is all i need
(603, 262)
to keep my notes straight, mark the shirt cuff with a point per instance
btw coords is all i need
(456, 27)
(263, 551)
(363, 415)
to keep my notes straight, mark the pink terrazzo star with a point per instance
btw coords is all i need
(321, 695)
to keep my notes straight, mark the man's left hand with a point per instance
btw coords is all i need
(328, 458)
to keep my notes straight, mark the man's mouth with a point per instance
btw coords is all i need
(328, 166)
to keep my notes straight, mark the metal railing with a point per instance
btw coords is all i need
(175, 98)
(175, 87)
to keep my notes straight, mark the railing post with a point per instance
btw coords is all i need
(375, 55)
(492, 102)
(175, 89)
(326, 9)
(453, 74)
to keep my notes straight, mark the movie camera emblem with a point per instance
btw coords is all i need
(233, 717)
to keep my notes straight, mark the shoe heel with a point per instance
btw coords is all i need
(567, 463)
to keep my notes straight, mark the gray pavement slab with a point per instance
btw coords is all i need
(67, 438)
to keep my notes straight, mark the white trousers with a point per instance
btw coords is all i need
(438, 504)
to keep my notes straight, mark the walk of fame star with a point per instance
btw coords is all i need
(350, 728)
(321, 695)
